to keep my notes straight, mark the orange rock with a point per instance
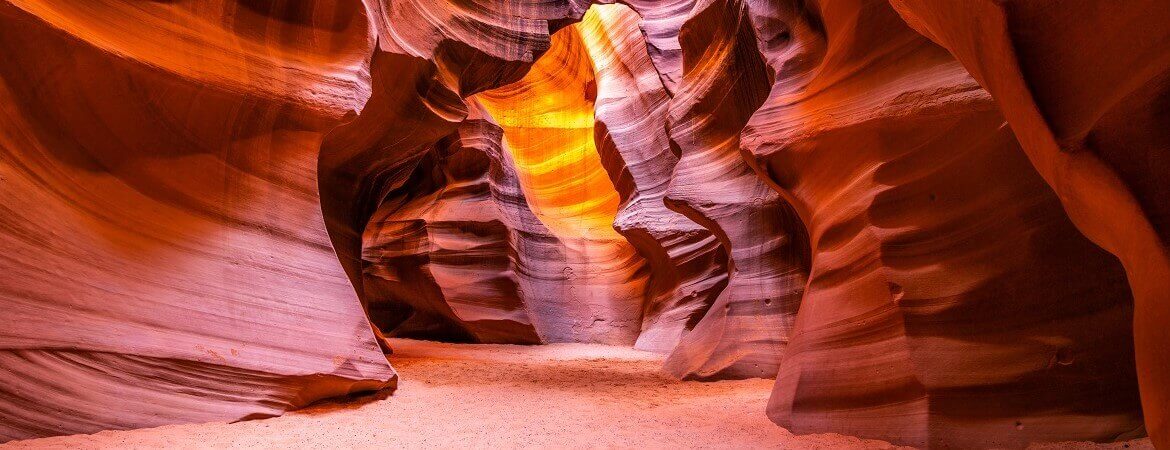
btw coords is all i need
(911, 213)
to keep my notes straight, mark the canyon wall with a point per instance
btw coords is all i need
(448, 247)
(932, 237)
(1086, 87)
(910, 213)
(165, 259)
(687, 265)
(746, 331)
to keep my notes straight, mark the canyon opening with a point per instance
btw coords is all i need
(560, 224)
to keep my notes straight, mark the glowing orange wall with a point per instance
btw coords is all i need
(547, 119)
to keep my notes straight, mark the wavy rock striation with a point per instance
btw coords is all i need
(548, 124)
(891, 206)
(165, 258)
(687, 265)
(442, 254)
(1089, 109)
(950, 300)
(746, 331)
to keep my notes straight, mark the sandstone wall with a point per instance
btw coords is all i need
(936, 223)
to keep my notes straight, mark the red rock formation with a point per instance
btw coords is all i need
(950, 301)
(660, 21)
(445, 245)
(595, 290)
(744, 333)
(165, 259)
(687, 265)
(597, 277)
(824, 191)
(431, 55)
(547, 119)
(1084, 86)
(177, 209)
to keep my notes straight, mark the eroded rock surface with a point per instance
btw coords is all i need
(909, 212)
(165, 259)
(687, 265)
(947, 284)
(1089, 106)
(745, 332)
(597, 278)
(442, 258)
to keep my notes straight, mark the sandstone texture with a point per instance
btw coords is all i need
(165, 258)
(1090, 112)
(937, 224)
(932, 237)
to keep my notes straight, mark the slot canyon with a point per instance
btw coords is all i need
(583, 224)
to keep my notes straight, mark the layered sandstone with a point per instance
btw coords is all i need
(165, 258)
(746, 331)
(687, 265)
(947, 284)
(548, 123)
(1085, 87)
(908, 212)
(442, 258)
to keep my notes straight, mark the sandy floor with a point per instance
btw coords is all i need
(499, 396)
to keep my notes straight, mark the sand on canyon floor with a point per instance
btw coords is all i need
(506, 396)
